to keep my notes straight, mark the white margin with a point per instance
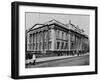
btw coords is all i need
(38, 71)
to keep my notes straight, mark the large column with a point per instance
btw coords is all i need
(48, 39)
(38, 41)
(28, 43)
(31, 42)
(75, 42)
(81, 44)
(35, 41)
(43, 41)
(53, 38)
(69, 40)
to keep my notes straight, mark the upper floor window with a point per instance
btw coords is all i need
(66, 36)
(58, 34)
(66, 46)
(72, 37)
(62, 35)
(30, 38)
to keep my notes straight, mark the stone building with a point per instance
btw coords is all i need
(55, 38)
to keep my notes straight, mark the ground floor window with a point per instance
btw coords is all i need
(62, 45)
(66, 46)
(58, 44)
(50, 44)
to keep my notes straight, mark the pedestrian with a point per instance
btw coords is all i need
(34, 59)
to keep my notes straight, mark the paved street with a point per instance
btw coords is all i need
(73, 61)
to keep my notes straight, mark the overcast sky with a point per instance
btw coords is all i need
(81, 20)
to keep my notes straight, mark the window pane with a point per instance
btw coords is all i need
(58, 43)
(62, 45)
(50, 44)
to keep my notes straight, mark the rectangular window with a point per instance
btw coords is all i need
(66, 46)
(50, 44)
(30, 38)
(72, 45)
(58, 44)
(66, 36)
(62, 35)
(62, 45)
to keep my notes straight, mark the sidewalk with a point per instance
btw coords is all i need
(55, 58)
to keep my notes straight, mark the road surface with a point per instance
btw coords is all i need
(73, 61)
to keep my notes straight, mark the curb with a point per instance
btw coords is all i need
(38, 61)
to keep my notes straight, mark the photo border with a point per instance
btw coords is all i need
(15, 39)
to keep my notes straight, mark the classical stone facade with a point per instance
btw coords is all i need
(56, 38)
